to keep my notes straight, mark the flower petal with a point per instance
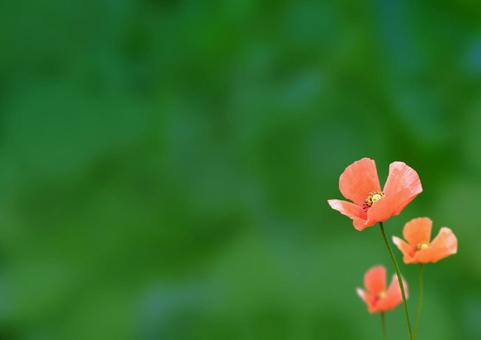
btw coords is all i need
(351, 210)
(406, 249)
(393, 296)
(443, 245)
(358, 180)
(360, 225)
(418, 230)
(403, 184)
(375, 280)
(368, 299)
(382, 210)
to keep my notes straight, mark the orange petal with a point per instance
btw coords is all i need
(358, 180)
(405, 248)
(418, 230)
(351, 210)
(359, 224)
(403, 184)
(368, 300)
(401, 176)
(443, 245)
(375, 280)
(393, 296)
(382, 210)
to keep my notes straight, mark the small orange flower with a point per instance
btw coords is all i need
(360, 183)
(376, 296)
(419, 248)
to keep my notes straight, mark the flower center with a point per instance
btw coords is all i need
(381, 295)
(372, 198)
(422, 246)
(376, 197)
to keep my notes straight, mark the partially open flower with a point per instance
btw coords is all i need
(377, 297)
(419, 248)
(360, 183)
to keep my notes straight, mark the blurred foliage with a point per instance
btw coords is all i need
(165, 165)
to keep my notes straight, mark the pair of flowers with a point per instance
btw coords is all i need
(370, 205)
(417, 249)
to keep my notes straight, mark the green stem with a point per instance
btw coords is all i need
(400, 280)
(420, 300)
(384, 328)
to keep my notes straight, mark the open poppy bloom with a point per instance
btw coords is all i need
(376, 296)
(419, 248)
(360, 183)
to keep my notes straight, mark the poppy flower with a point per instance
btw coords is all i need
(359, 183)
(377, 297)
(419, 248)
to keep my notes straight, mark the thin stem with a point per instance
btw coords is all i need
(420, 299)
(400, 280)
(384, 328)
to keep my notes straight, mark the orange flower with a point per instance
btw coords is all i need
(360, 184)
(419, 248)
(376, 296)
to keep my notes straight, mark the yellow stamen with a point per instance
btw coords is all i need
(376, 197)
(373, 198)
(422, 246)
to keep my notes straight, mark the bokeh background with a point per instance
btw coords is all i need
(165, 165)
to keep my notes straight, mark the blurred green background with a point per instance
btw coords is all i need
(165, 165)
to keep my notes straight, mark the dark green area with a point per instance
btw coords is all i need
(165, 165)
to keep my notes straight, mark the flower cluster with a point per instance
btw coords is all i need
(368, 205)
